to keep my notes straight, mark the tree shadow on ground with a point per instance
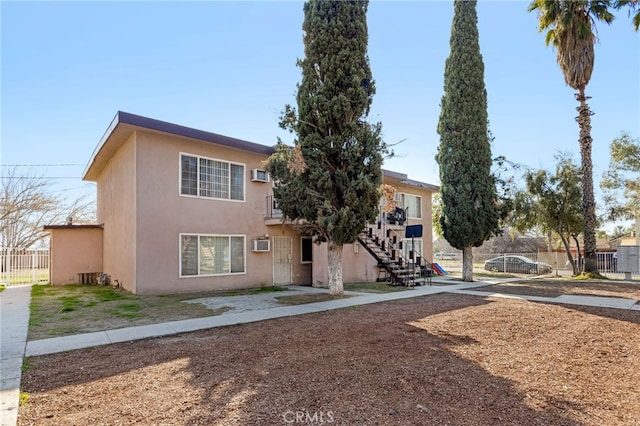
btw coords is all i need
(364, 365)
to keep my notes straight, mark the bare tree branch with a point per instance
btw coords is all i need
(28, 203)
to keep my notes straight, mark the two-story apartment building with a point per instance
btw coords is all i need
(184, 210)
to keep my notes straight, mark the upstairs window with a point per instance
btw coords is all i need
(412, 204)
(209, 178)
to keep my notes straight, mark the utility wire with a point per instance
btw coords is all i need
(41, 165)
(43, 177)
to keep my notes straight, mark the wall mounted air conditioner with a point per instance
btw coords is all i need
(259, 175)
(261, 245)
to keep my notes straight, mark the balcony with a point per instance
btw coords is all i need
(274, 214)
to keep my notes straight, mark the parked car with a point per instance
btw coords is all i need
(517, 265)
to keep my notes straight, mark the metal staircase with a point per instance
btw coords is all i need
(386, 247)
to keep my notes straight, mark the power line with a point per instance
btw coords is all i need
(43, 177)
(41, 165)
(88, 185)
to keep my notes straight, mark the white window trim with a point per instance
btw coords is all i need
(198, 275)
(198, 157)
(304, 262)
(409, 216)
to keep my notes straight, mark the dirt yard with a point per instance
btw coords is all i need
(435, 360)
(557, 287)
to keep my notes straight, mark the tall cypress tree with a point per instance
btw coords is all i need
(329, 182)
(470, 214)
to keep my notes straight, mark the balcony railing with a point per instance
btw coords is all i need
(272, 208)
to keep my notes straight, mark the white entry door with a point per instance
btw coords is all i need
(282, 260)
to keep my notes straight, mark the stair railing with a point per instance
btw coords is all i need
(390, 241)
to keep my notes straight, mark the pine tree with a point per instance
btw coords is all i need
(329, 182)
(470, 212)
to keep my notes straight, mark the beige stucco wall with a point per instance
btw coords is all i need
(163, 214)
(357, 264)
(628, 241)
(116, 197)
(144, 215)
(425, 220)
(74, 250)
(301, 272)
(624, 240)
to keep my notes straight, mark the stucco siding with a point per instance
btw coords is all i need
(426, 213)
(357, 265)
(164, 214)
(73, 251)
(137, 168)
(116, 197)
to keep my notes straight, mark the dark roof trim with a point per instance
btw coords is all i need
(404, 179)
(174, 129)
(96, 226)
(103, 140)
(139, 121)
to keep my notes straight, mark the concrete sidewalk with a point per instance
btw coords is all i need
(263, 310)
(596, 301)
(14, 323)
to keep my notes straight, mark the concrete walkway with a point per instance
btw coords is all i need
(14, 325)
(14, 322)
(262, 308)
(596, 301)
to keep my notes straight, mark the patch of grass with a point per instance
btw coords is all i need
(493, 274)
(26, 364)
(128, 310)
(24, 397)
(34, 319)
(106, 294)
(69, 303)
(258, 290)
(2, 287)
(129, 307)
(374, 288)
(559, 278)
(25, 276)
(128, 315)
(301, 299)
(590, 276)
(74, 309)
(40, 289)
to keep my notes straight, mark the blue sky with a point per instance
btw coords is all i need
(229, 68)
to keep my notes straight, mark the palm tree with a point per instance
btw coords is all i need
(570, 26)
(632, 5)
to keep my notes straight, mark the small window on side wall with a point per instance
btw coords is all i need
(307, 250)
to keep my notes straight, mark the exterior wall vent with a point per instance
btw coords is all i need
(259, 175)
